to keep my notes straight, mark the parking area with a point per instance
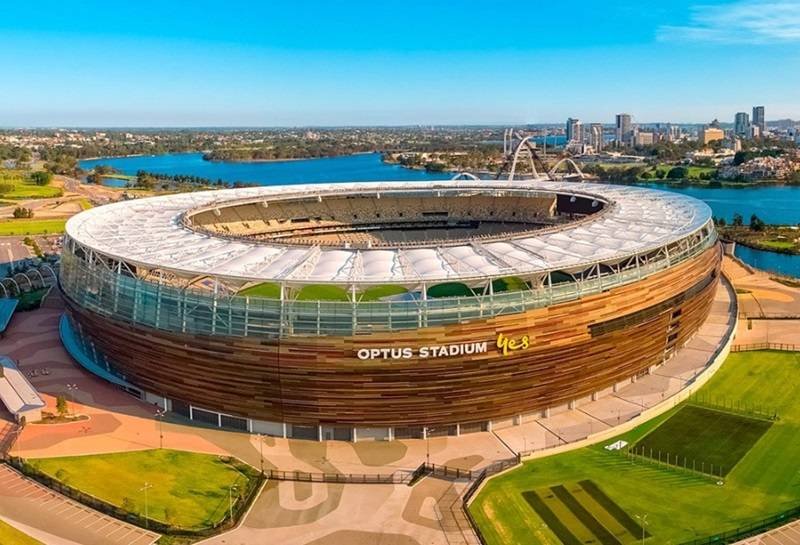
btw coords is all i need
(62, 520)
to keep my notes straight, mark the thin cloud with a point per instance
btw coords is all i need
(743, 22)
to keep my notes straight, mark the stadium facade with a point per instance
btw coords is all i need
(383, 310)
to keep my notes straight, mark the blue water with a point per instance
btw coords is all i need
(362, 167)
(773, 204)
(777, 204)
(785, 264)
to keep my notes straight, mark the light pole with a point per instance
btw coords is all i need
(261, 451)
(147, 486)
(643, 520)
(159, 415)
(231, 488)
(427, 446)
(71, 388)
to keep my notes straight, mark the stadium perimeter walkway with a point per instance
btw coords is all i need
(314, 513)
(760, 296)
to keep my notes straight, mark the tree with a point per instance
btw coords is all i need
(756, 223)
(94, 178)
(678, 173)
(61, 406)
(23, 213)
(738, 220)
(42, 177)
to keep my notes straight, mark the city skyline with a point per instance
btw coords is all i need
(321, 65)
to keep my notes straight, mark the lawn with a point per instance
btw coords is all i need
(24, 189)
(779, 244)
(705, 439)
(680, 506)
(187, 489)
(581, 513)
(11, 536)
(31, 227)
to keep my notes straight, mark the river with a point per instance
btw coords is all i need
(772, 203)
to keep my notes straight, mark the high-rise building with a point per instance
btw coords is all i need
(574, 131)
(624, 130)
(759, 120)
(741, 125)
(596, 139)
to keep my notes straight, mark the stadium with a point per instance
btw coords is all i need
(385, 309)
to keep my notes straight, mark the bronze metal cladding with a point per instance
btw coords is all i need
(573, 349)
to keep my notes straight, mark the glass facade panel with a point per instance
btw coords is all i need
(111, 290)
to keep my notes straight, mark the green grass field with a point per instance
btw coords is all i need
(581, 513)
(188, 489)
(450, 289)
(509, 283)
(268, 290)
(376, 293)
(31, 227)
(680, 506)
(271, 290)
(705, 439)
(11, 536)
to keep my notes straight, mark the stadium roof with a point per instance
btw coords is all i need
(150, 233)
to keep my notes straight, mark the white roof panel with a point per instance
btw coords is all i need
(150, 233)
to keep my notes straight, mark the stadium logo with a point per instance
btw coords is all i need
(508, 345)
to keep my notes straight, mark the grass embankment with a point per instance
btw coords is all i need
(19, 227)
(186, 489)
(11, 536)
(680, 506)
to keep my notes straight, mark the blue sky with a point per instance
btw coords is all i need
(181, 63)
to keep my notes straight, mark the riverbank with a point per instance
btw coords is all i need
(772, 238)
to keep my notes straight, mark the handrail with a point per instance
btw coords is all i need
(95, 287)
(765, 346)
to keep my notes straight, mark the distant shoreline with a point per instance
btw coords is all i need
(289, 159)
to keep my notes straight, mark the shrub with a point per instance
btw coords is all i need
(42, 177)
(22, 213)
(61, 405)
